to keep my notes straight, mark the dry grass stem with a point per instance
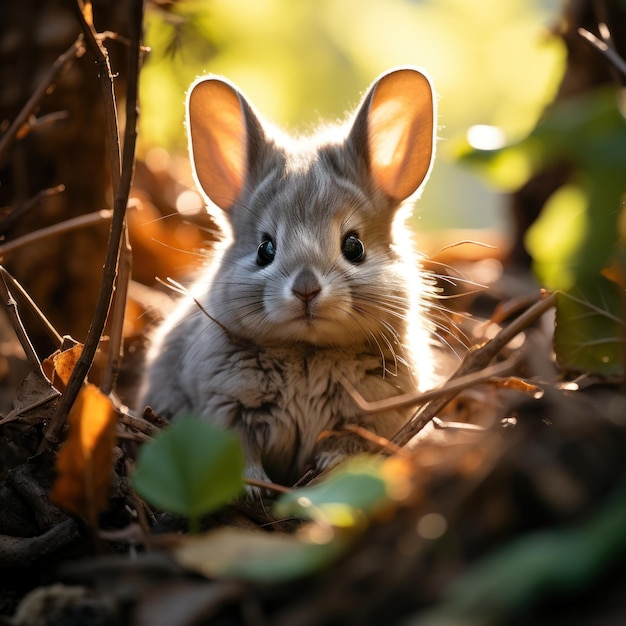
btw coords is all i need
(77, 49)
(121, 185)
(476, 359)
(261, 484)
(30, 303)
(14, 316)
(56, 229)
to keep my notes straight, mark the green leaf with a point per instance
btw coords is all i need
(589, 333)
(260, 556)
(346, 498)
(190, 469)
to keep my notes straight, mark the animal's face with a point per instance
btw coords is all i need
(312, 260)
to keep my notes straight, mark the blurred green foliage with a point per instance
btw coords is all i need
(492, 63)
(577, 236)
(553, 562)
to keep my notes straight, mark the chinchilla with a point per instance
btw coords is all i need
(316, 283)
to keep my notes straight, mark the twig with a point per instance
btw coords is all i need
(261, 484)
(368, 435)
(125, 260)
(138, 423)
(52, 332)
(18, 327)
(83, 365)
(76, 50)
(96, 48)
(7, 222)
(116, 332)
(413, 398)
(604, 46)
(56, 229)
(476, 359)
(180, 289)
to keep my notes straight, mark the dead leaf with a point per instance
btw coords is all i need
(58, 367)
(85, 460)
(33, 391)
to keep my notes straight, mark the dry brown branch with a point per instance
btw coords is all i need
(97, 49)
(116, 332)
(413, 398)
(77, 49)
(252, 482)
(56, 229)
(122, 189)
(14, 316)
(30, 303)
(368, 435)
(477, 359)
(138, 423)
(9, 220)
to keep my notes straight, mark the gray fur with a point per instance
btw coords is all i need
(270, 365)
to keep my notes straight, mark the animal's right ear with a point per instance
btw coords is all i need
(220, 122)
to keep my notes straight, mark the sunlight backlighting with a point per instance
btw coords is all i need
(189, 202)
(485, 137)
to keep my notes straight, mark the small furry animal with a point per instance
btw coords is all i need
(317, 281)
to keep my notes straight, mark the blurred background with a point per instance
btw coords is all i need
(530, 157)
(494, 64)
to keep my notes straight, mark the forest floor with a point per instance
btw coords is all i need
(520, 520)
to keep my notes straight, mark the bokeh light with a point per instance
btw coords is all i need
(494, 64)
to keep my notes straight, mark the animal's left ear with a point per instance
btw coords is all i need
(394, 127)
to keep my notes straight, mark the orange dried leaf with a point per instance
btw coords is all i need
(85, 460)
(517, 384)
(59, 366)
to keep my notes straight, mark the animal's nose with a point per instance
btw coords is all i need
(305, 285)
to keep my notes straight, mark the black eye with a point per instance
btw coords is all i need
(352, 248)
(266, 252)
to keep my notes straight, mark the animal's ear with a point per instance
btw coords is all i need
(220, 127)
(395, 127)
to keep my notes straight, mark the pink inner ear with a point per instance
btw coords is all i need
(400, 130)
(218, 140)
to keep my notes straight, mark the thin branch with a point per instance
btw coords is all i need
(56, 229)
(175, 286)
(83, 365)
(76, 50)
(18, 327)
(138, 423)
(368, 435)
(51, 330)
(96, 48)
(413, 398)
(7, 222)
(116, 332)
(125, 260)
(261, 484)
(478, 358)
(604, 46)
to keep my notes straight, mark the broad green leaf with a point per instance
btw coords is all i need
(589, 333)
(259, 556)
(347, 497)
(190, 469)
